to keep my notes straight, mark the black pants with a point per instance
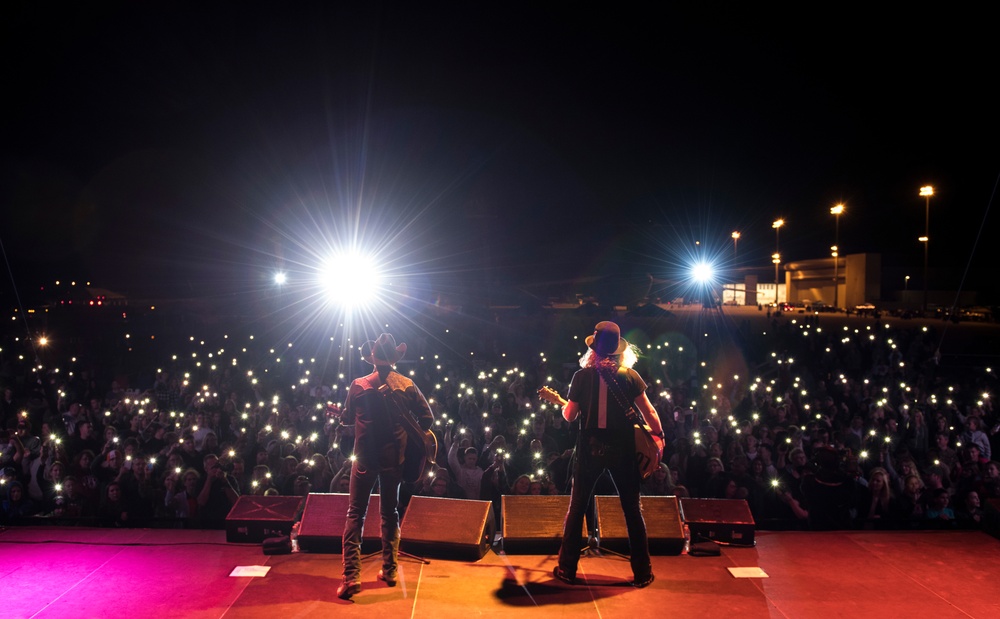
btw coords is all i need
(616, 454)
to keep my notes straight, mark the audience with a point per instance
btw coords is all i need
(852, 428)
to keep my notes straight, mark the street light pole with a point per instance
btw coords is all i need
(836, 211)
(777, 253)
(926, 191)
(776, 259)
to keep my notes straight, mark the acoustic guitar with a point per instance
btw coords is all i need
(421, 445)
(648, 448)
(420, 455)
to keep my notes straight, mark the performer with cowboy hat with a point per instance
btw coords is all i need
(374, 404)
(600, 395)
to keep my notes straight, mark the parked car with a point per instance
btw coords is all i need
(977, 313)
(790, 307)
(820, 306)
(864, 309)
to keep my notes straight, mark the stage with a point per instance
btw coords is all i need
(77, 572)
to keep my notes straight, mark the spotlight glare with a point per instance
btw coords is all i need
(350, 279)
(702, 272)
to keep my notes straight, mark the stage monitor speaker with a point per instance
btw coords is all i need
(727, 521)
(533, 524)
(662, 515)
(255, 518)
(448, 528)
(323, 519)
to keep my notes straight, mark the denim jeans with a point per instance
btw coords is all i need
(592, 461)
(362, 482)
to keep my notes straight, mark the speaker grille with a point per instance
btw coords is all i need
(448, 528)
(323, 520)
(533, 524)
(661, 515)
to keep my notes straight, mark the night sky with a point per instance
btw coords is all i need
(159, 150)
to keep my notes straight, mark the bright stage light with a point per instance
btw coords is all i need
(280, 278)
(351, 279)
(702, 272)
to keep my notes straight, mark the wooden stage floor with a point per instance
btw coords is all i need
(74, 572)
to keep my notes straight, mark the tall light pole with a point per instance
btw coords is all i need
(736, 240)
(776, 257)
(836, 211)
(926, 191)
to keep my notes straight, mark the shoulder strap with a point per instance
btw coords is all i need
(389, 405)
(616, 391)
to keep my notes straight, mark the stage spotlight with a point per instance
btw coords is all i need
(702, 272)
(280, 278)
(350, 279)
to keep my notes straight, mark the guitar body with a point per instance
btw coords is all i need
(421, 446)
(648, 448)
(421, 450)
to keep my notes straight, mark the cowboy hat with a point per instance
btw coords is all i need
(383, 351)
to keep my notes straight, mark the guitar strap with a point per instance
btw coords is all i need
(632, 415)
(602, 405)
(609, 384)
(393, 413)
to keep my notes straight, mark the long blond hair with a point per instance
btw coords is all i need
(628, 358)
(886, 493)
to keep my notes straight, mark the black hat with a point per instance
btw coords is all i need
(607, 339)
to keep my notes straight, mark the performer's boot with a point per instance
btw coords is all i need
(348, 589)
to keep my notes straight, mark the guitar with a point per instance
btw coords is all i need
(421, 445)
(648, 448)
(420, 455)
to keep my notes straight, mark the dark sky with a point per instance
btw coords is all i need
(163, 150)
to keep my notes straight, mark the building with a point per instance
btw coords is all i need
(853, 280)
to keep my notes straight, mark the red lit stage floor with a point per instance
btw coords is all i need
(66, 572)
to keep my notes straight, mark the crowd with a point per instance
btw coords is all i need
(837, 428)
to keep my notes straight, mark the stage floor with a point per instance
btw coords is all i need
(69, 572)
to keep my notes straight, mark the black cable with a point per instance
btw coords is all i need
(17, 295)
(968, 264)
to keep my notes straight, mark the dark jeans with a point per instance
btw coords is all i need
(619, 461)
(362, 482)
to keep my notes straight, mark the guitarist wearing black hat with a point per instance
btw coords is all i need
(603, 395)
(381, 406)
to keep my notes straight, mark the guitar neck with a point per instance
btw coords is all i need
(551, 397)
